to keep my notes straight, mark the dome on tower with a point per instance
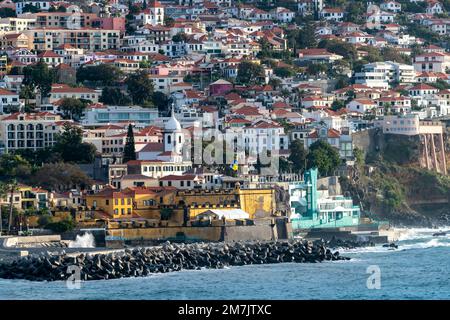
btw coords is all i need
(173, 124)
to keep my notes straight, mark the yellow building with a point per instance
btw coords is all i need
(258, 203)
(150, 202)
(112, 202)
(26, 197)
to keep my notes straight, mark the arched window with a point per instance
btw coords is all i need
(20, 127)
(169, 139)
(39, 127)
(30, 127)
(11, 127)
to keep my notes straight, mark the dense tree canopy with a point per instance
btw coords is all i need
(39, 76)
(13, 166)
(129, 152)
(323, 156)
(71, 148)
(7, 13)
(298, 155)
(60, 176)
(114, 96)
(140, 87)
(72, 108)
(102, 74)
(250, 73)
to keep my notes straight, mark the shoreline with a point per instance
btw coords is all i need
(166, 258)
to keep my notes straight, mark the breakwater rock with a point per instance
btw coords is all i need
(334, 243)
(166, 258)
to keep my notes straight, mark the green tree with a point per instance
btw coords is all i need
(337, 105)
(284, 72)
(72, 108)
(161, 101)
(180, 37)
(11, 187)
(7, 13)
(3, 193)
(356, 11)
(30, 8)
(13, 166)
(102, 74)
(129, 152)
(140, 87)
(27, 93)
(60, 177)
(39, 76)
(298, 155)
(317, 68)
(70, 146)
(61, 226)
(114, 96)
(250, 73)
(324, 157)
(302, 38)
(168, 21)
(347, 50)
(145, 64)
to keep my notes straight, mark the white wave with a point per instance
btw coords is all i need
(425, 245)
(435, 242)
(84, 241)
(419, 233)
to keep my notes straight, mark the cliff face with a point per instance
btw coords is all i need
(390, 184)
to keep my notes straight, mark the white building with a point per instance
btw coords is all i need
(306, 7)
(381, 74)
(361, 105)
(405, 124)
(42, 5)
(391, 5)
(332, 14)
(432, 62)
(9, 100)
(29, 130)
(98, 114)
(264, 135)
(282, 14)
(153, 15)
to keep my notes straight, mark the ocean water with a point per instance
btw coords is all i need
(418, 269)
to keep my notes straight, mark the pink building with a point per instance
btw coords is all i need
(220, 87)
(110, 23)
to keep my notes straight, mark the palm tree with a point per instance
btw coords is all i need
(3, 192)
(12, 187)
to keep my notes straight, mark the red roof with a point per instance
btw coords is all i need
(332, 133)
(48, 54)
(264, 125)
(248, 111)
(173, 177)
(423, 86)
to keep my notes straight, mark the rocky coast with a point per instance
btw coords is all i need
(168, 257)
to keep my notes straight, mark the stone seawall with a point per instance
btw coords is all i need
(167, 258)
(262, 230)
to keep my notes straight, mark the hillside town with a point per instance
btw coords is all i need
(158, 117)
